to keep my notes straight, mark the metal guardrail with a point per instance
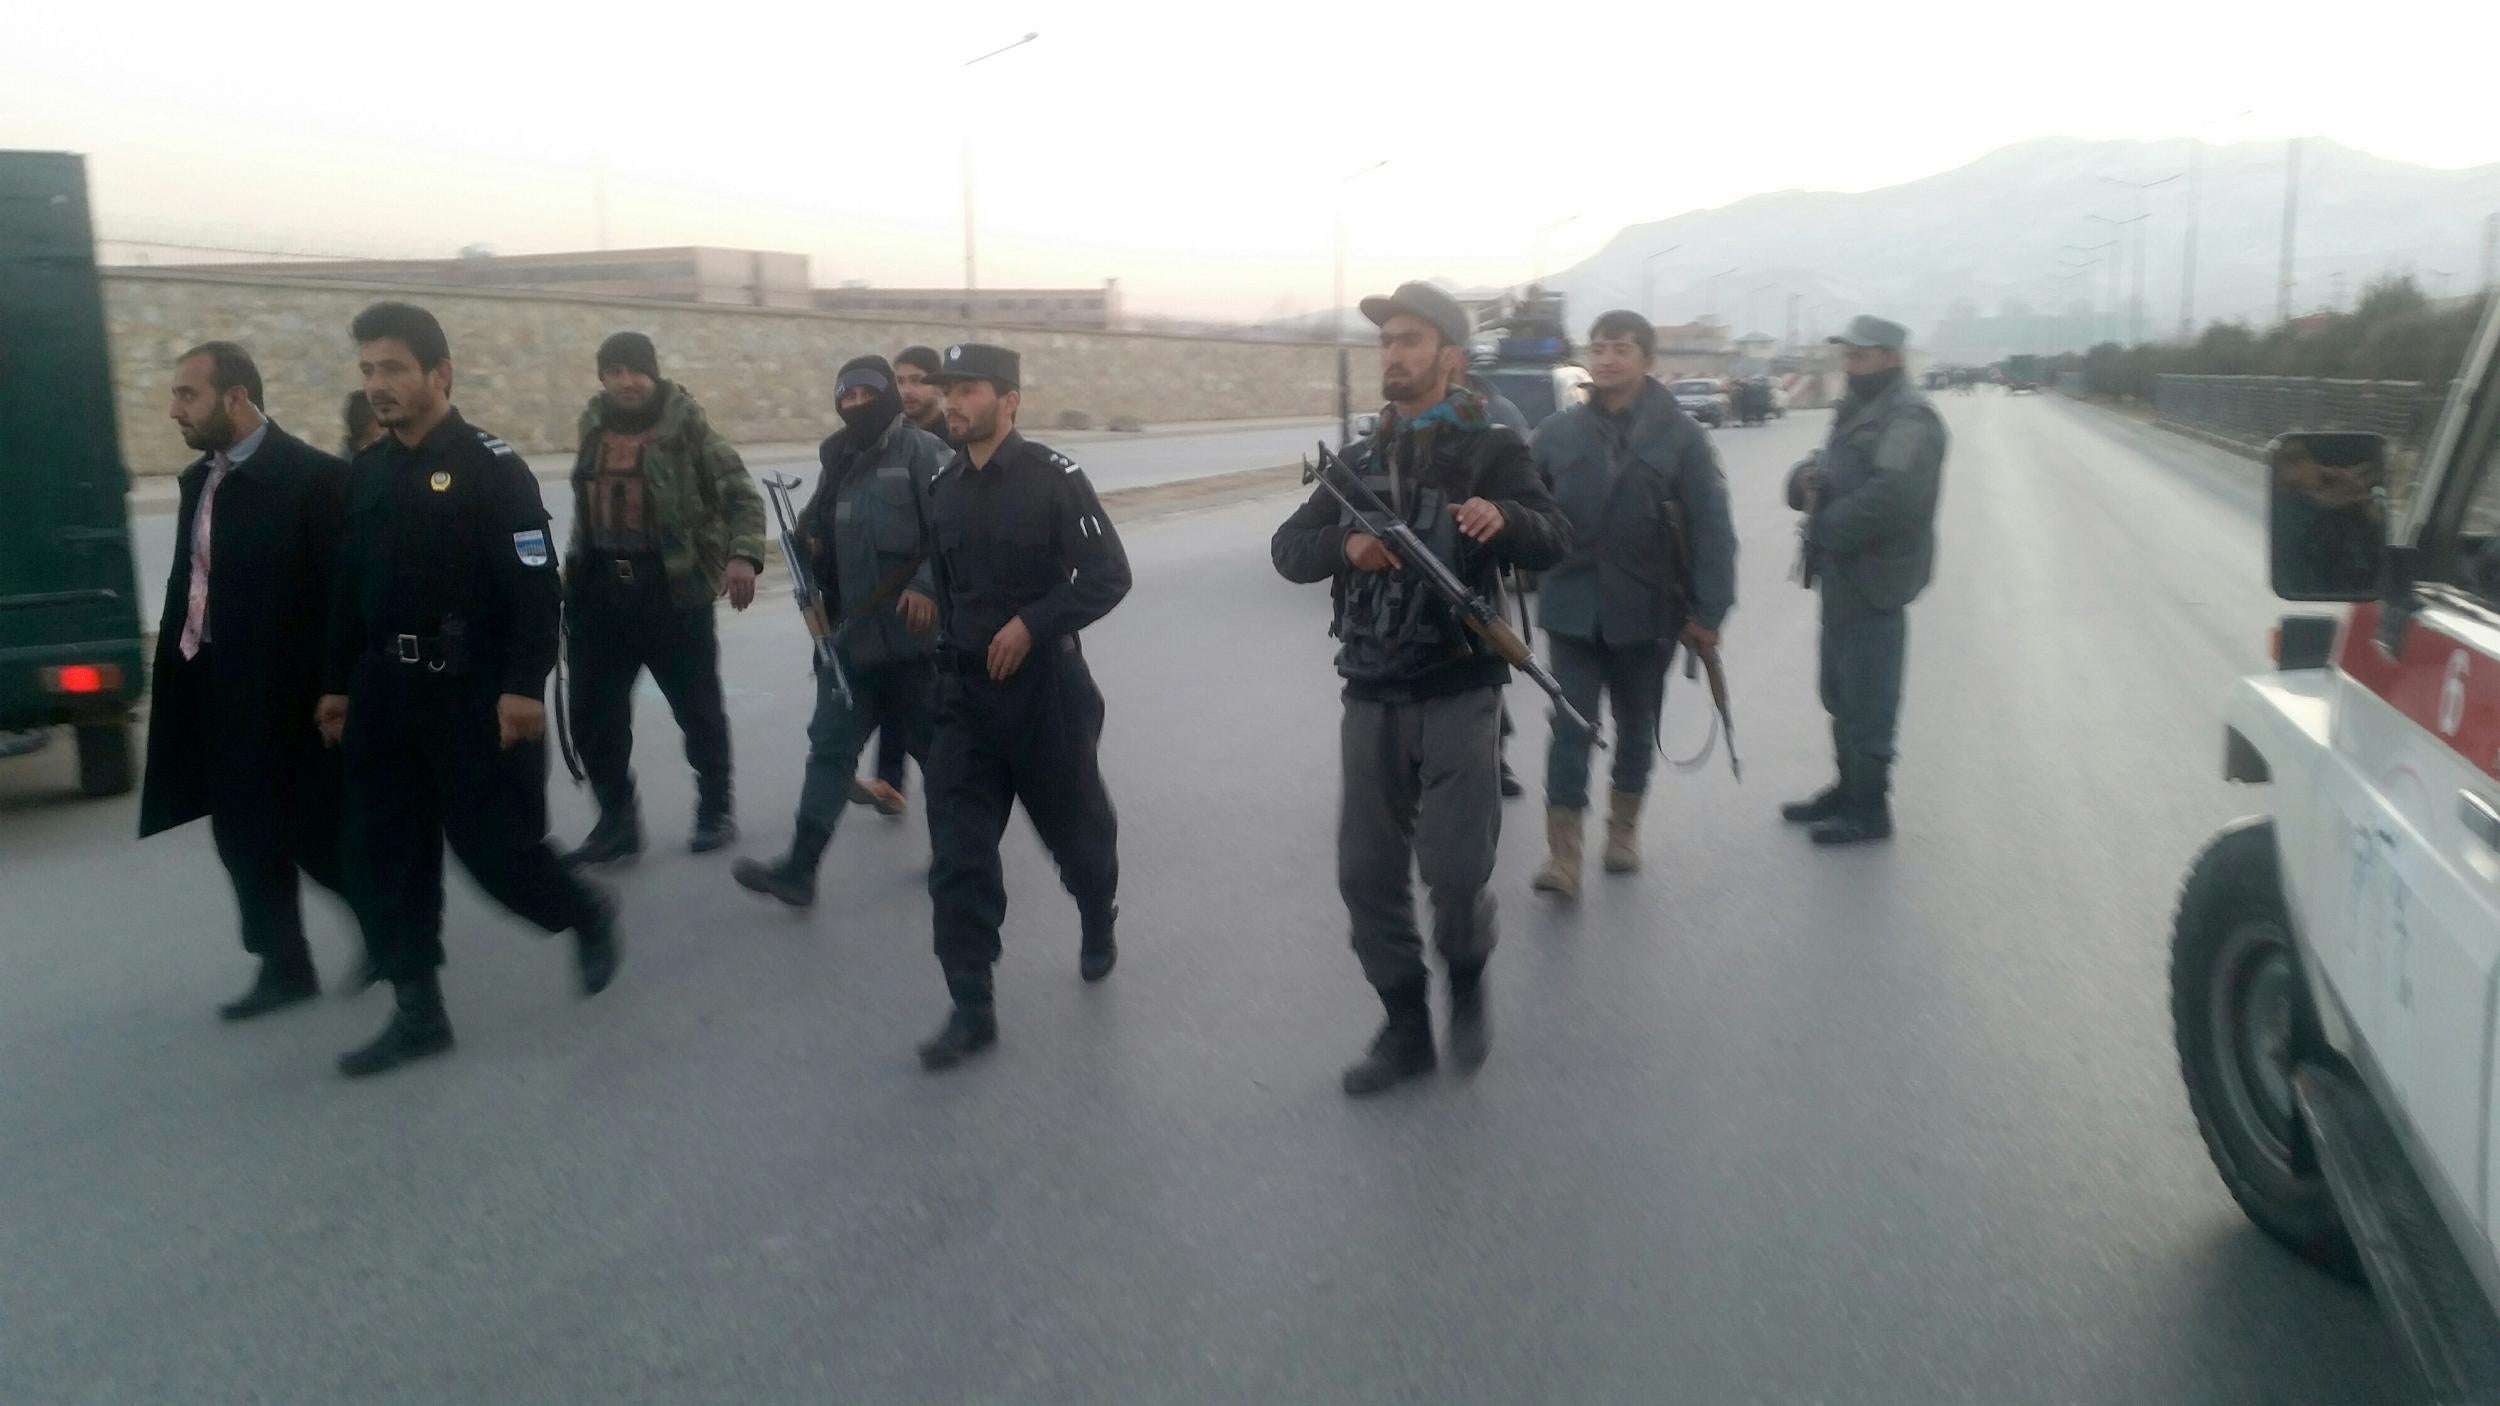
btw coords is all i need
(2254, 409)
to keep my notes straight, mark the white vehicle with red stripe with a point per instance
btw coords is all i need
(2335, 967)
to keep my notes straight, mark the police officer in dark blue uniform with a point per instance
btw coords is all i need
(442, 633)
(1026, 559)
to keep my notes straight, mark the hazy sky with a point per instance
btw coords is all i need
(1193, 151)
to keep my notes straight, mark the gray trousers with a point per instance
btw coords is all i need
(1634, 680)
(1423, 791)
(1861, 679)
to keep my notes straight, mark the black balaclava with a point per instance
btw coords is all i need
(866, 424)
(634, 352)
(1873, 383)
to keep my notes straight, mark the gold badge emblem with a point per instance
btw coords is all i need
(441, 481)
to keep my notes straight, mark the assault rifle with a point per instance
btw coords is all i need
(803, 586)
(1477, 613)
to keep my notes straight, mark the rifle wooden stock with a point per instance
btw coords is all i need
(1506, 642)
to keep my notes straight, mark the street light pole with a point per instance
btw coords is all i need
(2187, 257)
(964, 130)
(2291, 219)
(1710, 313)
(2143, 213)
(1649, 263)
(1752, 306)
(1336, 315)
(2094, 250)
(2195, 212)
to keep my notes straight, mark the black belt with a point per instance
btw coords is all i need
(956, 661)
(414, 649)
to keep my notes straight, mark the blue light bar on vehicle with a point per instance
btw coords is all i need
(1532, 348)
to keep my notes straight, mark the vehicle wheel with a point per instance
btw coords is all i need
(104, 758)
(2240, 1016)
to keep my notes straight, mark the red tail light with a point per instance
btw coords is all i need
(83, 678)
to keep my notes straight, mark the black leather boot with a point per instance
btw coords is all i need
(277, 986)
(1471, 1029)
(618, 835)
(1822, 805)
(1866, 814)
(596, 947)
(1826, 803)
(418, 1029)
(1099, 950)
(791, 878)
(715, 823)
(1403, 1048)
(968, 1031)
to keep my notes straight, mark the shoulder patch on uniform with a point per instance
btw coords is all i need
(531, 547)
(1062, 462)
(497, 445)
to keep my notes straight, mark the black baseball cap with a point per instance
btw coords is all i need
(979, 361)
(1427, 302)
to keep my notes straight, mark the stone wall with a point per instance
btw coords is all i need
(522, 361)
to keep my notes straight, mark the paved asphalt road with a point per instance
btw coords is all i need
(1762, 1124)
(1161, 455)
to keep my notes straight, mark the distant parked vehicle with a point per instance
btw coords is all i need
(1701, 399)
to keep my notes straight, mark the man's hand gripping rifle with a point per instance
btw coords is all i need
(1414, 557)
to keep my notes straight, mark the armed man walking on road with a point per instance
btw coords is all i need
(442, 633)
(1026, 559)
(1423, 695)
(238, 664)
(867, 533)
(924, 405)
(1870, 547)
(1653, 561)
(665, 520)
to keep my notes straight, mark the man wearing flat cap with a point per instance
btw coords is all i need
(1870, 541)
(1421, 738)
(665, 521)
(1026, 559)
(866, 530)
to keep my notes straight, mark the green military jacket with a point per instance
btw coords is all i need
(708, 508)
(1874, 524)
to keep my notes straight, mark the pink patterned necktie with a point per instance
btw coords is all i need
(195, 620)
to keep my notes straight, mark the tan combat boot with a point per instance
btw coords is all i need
(1623, 840)
(1561, 874)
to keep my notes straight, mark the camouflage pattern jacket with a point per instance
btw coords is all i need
(708, 509)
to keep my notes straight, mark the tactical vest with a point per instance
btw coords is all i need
(1390, 625)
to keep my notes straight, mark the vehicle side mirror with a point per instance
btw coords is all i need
(2326, 515)
(1367, 424)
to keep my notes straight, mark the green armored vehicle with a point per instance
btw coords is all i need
(69, 607)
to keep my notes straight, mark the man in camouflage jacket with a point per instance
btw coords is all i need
(665, 522)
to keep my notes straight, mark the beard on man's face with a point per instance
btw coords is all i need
(970, 429)
(213, 432)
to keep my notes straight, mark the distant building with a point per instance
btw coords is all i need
(743, 277)
(1091, 309)
(1703, 338)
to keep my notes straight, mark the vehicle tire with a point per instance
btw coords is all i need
(104, 758)
(2241, 1019)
